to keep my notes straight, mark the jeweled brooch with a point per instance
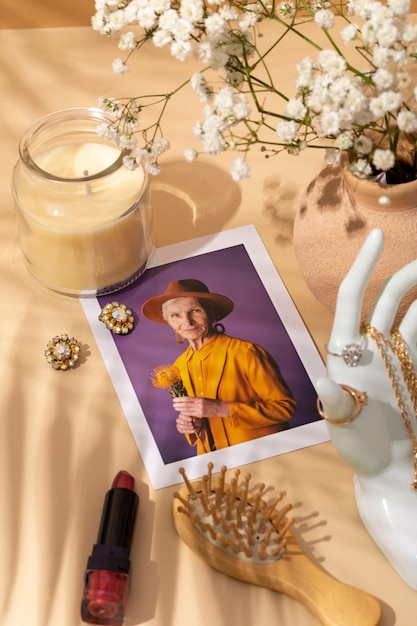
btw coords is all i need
(117, 317)
(62, 352)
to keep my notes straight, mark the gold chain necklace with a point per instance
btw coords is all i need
(399, 348)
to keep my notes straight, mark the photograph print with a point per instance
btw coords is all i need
(219, 366)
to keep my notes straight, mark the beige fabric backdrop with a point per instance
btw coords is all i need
(64, 435)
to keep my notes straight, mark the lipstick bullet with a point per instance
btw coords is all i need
(106, 584)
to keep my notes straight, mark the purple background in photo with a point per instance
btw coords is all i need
(229, 272)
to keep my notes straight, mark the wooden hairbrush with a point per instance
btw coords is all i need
(239, 533)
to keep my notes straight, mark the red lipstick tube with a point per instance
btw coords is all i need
(107, 576)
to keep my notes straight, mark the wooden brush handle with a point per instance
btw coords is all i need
(333, 602)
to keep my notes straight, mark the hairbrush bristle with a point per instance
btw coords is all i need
(235, 518)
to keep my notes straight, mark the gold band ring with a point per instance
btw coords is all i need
(360, 399)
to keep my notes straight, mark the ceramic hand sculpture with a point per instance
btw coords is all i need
(370, 403)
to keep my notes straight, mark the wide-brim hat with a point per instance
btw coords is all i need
(190, 287)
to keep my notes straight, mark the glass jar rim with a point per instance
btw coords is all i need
(77, 113)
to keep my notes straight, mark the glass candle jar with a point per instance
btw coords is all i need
(84, 219)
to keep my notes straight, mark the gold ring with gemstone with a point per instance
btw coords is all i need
(351, 353)
(117, 317)
(62, 352)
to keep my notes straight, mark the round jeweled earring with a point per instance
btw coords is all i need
(62, 352)
(117, 317)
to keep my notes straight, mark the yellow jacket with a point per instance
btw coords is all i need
(246, 376)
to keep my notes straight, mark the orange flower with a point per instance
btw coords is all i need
(168, 377)
(165, 376)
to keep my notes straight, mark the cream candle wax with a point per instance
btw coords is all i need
(84, 219)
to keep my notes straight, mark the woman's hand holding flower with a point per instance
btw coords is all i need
(197, 407)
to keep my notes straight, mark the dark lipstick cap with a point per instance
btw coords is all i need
(111, 552)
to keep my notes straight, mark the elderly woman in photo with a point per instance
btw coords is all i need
(236, 392)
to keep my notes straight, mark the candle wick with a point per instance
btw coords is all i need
(88, 189)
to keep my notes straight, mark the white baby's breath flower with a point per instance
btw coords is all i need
(203, 52)
(305, 76)
(286, 130)
(329, 123)
(409, 34)
(369, 34)
(161, 38)
(344, 141)
(295, 109)
(383, 79)
(381, 56)
(142, 155)
(98, 22)
(127, 41)
(349, 33)
(201, 87)
(130, 162)
(331, 62)
(213, 143)
(407, 121)
(159, 6)
(220, 58)
(116, 21)
(131, 11)
(383, 159)
(214, 24)
(119, 67)
(363, 144)
(361, 168)
(318, 5)
(152, 168)
(212, 122)
(182, 30)
(388, 35)
(132, 124)
(404, 81)
(228, 12)
(192, 10)
(240, 169)
(400, 7)
(107, 132)
(391, 100)
(296, 147)
(127, 141)
(110, 105)
(324, 18)
(198, 130)
(286, 9)
(241, 106)
(247, 21)
(159, 146)
(190, 155)
(181, 50)
(332, 156)
(223, 102)
(399, 56)
(168, 20)
(384, 103)
(146, 17)
(339, 90)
